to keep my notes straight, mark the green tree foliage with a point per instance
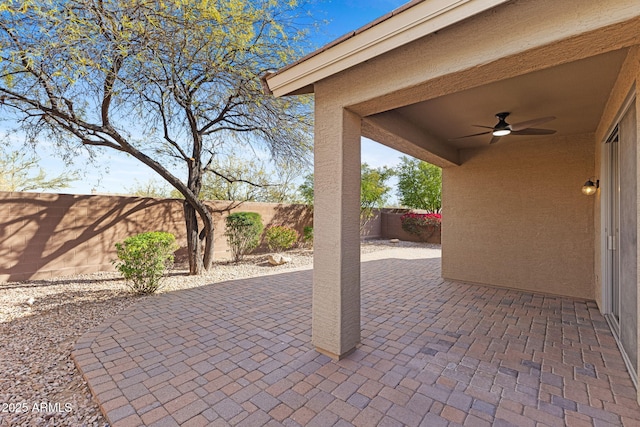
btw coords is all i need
(243, 230)
(144, 258)
(374, 191)
(419, 185)
(280, 238)
(172, 83)
(306, 190)
(20, 171)
(307, 235)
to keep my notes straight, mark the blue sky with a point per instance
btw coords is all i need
(346, 16)
(117, 172)
(349, 15)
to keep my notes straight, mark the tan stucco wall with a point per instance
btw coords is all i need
(514, 216)
(514, 213)
(46, 235)
(336, 245)
(564, 239)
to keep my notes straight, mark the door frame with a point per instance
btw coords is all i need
(606, 201)
(605, 222)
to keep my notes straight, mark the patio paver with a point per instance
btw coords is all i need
(433, 352)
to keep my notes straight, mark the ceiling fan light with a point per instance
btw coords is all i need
(501, 132)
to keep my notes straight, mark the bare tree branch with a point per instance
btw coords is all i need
(170, 83)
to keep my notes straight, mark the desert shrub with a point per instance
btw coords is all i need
(422, 225)
(281, 238)
(307, 235)
(144, 258)
(243, 231)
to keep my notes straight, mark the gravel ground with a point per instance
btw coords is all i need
(40, 321)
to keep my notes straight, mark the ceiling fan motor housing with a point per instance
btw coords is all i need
(502, 128)
(502, 121)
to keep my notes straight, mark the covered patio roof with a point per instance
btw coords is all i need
(479, 58)
(433, 71)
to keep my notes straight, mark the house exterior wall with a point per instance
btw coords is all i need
(548, 232)
(514, 216)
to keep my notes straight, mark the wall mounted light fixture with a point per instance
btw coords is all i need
(589, 188)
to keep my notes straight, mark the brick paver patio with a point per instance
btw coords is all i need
(433, 353)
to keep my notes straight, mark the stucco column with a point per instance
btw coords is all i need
(336, 242)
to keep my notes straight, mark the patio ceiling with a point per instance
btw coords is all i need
(575, 93)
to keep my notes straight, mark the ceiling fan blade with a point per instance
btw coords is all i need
(485, 127)
(530, 123)
(469, 136)
(495, 139)
(533, 131)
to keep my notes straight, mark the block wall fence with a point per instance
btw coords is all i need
(44, 235)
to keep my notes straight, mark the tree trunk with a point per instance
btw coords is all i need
(196, 265)
(199, 244)
(208, 250)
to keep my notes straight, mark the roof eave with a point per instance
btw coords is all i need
(404, 25)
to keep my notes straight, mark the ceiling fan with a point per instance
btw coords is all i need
(502, 128)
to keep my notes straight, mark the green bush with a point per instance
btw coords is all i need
(307, 235)
(144, 258)
(421, 225)
(243, 231)
(281, 238)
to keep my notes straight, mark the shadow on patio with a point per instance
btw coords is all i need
(433, 353)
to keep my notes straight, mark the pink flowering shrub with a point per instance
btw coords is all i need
(423, 225)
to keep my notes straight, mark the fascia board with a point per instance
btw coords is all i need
(409, 25)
